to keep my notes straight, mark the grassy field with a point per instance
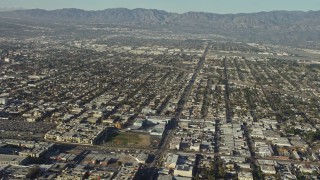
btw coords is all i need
(128, 139)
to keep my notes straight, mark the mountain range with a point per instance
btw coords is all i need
(274, 26)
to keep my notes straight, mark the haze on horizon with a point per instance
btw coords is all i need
(179, 6)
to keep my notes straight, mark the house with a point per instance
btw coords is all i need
(195, 147)
(245, 176)
(164, 177)
(305, 168)
(183, 170)
(268, 169)
(281, 142)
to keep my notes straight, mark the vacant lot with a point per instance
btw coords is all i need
(128, 139)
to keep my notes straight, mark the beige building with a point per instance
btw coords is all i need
(171, 161)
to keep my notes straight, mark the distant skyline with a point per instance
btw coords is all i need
(179, 6)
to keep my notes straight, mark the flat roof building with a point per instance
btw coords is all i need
(13, 160)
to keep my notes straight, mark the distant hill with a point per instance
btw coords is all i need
(9, 9)
(275, 26)
(118, 15)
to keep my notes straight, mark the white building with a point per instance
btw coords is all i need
(7, 59)
(3, 101)
(158, 130)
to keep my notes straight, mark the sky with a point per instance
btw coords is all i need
(179, 6)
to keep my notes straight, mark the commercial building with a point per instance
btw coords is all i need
(13, 160)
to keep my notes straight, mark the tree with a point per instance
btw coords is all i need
(222, 172)
(33, 172)
(119, 163)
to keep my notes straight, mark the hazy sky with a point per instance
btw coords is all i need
(215, 6)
